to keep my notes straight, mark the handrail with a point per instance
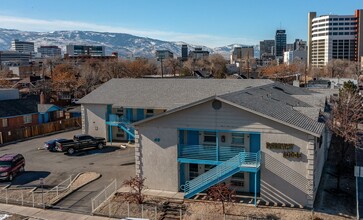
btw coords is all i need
(242, 159)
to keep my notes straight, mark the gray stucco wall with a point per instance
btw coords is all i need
(282, 180)
(94, 120)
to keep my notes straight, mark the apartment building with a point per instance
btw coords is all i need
(334, 37)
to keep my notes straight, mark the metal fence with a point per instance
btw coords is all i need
(104, 195)
(34, 196)
(124, 210)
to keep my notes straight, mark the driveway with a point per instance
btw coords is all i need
(111, 162)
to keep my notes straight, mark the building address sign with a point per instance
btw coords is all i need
(288, 149)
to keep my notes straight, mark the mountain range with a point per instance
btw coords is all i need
(126, 45)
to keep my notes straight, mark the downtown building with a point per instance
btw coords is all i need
(22, 46)
(334, 37)
(50, 51)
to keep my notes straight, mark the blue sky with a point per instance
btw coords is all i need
(202, 22)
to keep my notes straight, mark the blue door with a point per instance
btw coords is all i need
(140, 114)
(255, 146)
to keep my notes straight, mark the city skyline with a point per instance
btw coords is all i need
(211, 23)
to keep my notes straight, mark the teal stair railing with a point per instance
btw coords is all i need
(122, 123)
(221, 172)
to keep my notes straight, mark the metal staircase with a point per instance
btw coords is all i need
(122, 123)
(221, 172)
(126, 125)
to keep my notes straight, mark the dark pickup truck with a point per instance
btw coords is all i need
(80, 142)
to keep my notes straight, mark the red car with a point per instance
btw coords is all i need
(11, 165)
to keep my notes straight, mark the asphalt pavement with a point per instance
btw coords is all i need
(112, 162)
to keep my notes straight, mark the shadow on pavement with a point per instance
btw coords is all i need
(92, 151)
(29, 176)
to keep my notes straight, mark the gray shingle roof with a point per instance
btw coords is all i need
(164, 93)
(14, 107)
(278, 104)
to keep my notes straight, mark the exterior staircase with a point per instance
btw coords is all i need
(122, 123)
(221, 172)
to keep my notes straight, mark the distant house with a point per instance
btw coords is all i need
(27, 84)
(20, 113)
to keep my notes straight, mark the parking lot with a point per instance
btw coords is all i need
(112, 162)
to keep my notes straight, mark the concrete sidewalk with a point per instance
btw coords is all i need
(46, 214)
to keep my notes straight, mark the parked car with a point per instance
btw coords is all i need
(80, 142)
(51, 144)
(11, 165)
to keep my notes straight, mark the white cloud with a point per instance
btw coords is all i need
(29, 24)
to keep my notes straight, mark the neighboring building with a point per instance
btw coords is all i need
(50, 51)
(334, 37)
(242, 53)
(6, 94)
(267, 49)
(289, 47)
(14, 56)
(280, 43)
(26, 85)
(270, 133)
(80, 50)
(295, 55)
(184, 51)
(164, 54)
(22, 46)
(198, 53)
(300, 45)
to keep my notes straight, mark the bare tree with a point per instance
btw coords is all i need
(173, 65)
(137, 185)
(346, 115)
(221, 193)
(217, 66)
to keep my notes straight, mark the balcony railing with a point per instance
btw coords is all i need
(118, 119)
(223, 153)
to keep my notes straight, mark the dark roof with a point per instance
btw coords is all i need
(16, 107)
(164, 93)
(276, 101)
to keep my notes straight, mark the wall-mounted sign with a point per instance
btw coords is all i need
(279, 146)
(288, 149)
(290, 154)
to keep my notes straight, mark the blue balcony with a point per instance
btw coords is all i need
(205, 154)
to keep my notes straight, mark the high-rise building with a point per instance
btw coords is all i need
(50, 51)
(300, 44)
(289, 47)
(164, 54)
(334, 37)
(267, 48)
(80, 50)
(22, 46)
(184, 51)
(280, 43)
(242, 53)
(199, 53)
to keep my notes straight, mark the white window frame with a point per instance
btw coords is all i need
(238, 136)
(27, 119)
(4, 122)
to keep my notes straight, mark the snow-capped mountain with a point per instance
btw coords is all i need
(125, 44)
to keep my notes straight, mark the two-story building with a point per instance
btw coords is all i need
(264, 138)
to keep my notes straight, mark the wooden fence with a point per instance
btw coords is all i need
(36, 130)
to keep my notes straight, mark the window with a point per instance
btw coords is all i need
(193, 171)
(209, 137)
(4, 122)
(238, 139)
(149, 111)
(27, 119)
(60, 114)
